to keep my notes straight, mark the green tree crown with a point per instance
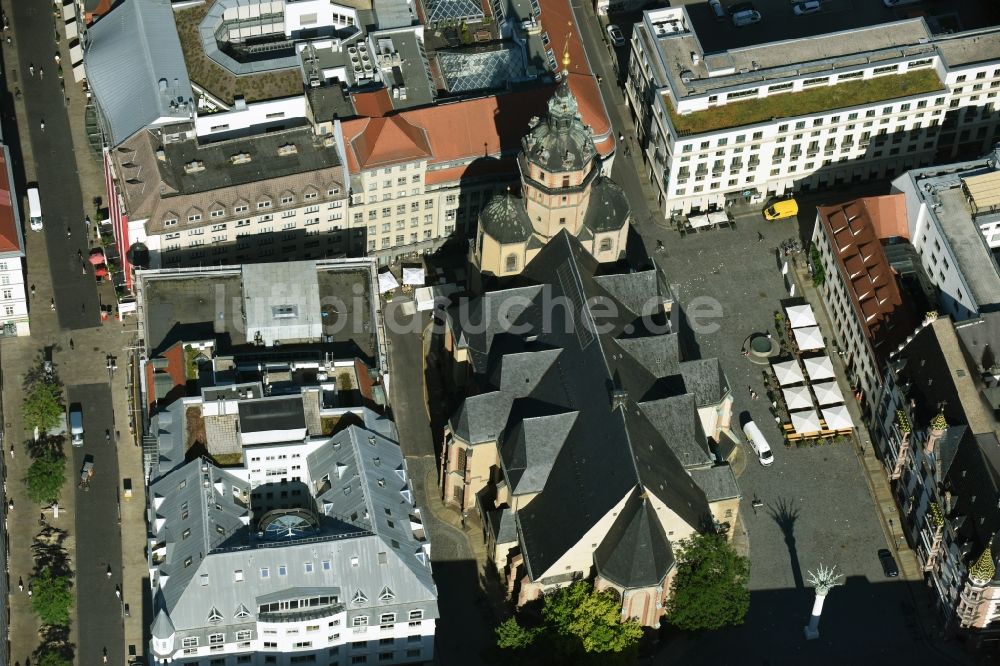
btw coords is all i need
(709, 590)
(51, 597)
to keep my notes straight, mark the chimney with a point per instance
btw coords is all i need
(618, 397)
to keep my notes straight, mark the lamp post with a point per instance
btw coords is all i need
(823, 580)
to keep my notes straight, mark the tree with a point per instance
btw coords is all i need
(579, 626)
(51, 598)
(43, 400)
(46, 477)
(512, 636)
(710, 588)
(592, 618)
(819, 274)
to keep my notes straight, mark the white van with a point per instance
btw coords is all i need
(76, 424)
(757, 442)
(34, 209)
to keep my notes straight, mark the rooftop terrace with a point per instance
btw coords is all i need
(814, 100)
(219, 82)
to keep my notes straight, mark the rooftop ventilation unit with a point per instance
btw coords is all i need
(194, 166)
(240, 158)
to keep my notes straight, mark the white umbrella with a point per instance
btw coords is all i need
(387, 282)
(808, 338)
(828, 393)
(800, 316)
(806, 422)
(819, 367)
(788, 372)
(797, 397)
(837, 417)
(413, 276)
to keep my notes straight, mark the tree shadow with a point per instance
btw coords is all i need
(54, 639)
(784, 513)
(49, 551)
(37, 448)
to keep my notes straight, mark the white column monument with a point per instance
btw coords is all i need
(823, 580)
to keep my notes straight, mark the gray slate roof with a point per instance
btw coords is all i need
(505, 219)
(548, 389)
(635, 552)
(136, 69)
(608, 208)
(363, 459)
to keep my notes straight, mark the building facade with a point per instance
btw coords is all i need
(863, 294)
(755, 122)
(954, 223)
(936, 434)
(13, 290)
(264, 197)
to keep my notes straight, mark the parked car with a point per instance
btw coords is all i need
(34, 210)
(746, 17)
(897, 3)
(889, 567)
(803, 8)
(616, 36)
(76, 424)
(757, 442)
(717, 9)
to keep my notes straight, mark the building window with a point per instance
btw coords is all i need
(216, 639)
(265, 572)
(189, 641)
(386, 618)
(360, 621)
(510, 263)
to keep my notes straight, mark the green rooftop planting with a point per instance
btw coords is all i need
(810, 101)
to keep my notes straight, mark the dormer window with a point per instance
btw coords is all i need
(214, 616)
(265, 203)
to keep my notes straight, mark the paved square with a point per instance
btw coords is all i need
(816, 504)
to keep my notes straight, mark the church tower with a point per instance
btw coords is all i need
(562, 189)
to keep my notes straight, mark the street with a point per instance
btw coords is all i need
(47, 143)
(98, 541)
(75, 294)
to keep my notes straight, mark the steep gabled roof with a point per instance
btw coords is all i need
(635, 552)
(569, 395)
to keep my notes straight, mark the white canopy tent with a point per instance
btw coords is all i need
(819, 368)
(806, 422)
(837, 417)
(718, 217)
(797, 397)
(808, 338)
(387, 282)
(788, 372)
(828, 393)
(413, 276)
(697, 221)
(800, 316)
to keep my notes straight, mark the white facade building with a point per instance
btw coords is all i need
(955, 228)
(325, 566)
(906, 98)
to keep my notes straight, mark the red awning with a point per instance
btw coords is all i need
(101, 271)
(96, 257)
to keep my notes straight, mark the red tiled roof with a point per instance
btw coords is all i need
(372, 104)
(389, 140)
(176, 370)
(9, 241)
(855, 231)
(466, 130)
(557, 20)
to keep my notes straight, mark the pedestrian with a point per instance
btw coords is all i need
(29, 590)
(32, 291)
(11, 450)
(760, 237)
(750, 390)
(10, 504)
(52, 304)
(20, 583)
(71, 343)
(31, 68)
(118, 436)
(621, 137)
